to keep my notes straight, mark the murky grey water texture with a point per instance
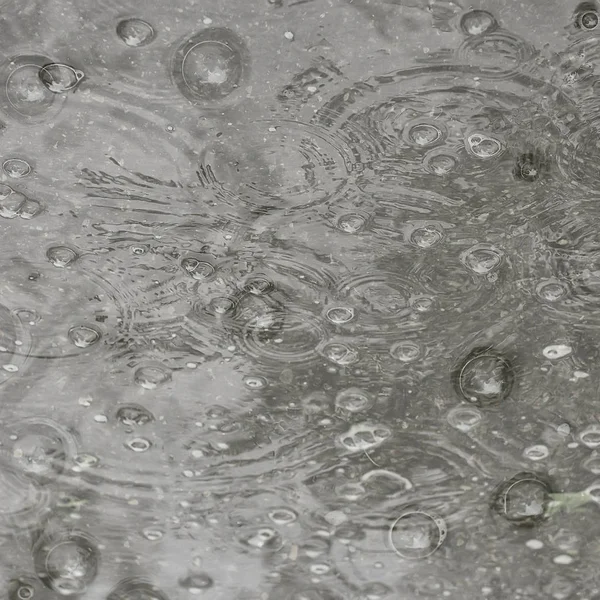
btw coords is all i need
(300, 300)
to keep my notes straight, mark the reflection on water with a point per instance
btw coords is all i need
(300, 300)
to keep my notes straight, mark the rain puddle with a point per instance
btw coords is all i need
(300, 299)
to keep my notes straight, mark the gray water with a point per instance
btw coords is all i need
(300, 300)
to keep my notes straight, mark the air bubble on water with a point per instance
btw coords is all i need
(551, 290)
(556, 351)
(590, 436)
(340, 315)
(61, 256)
(484, 377)
(16, 168)
(536, 452)
(340, 354)
(482, 259)
(133, 415)
(534, 544)
(255, 382)
(135, 32)
(417, 534)
(423, 134)
(83, 336)
(593, 491)
(198, 269)
(522, 500)
(196, 583)
(264, 539)
(221, 305)
(29, 209)
(351, 223)
(426, 236)
(351, 491)
(11, 202)
(478, 22)
(151, 377)
(464, 418)
(10, 368)
(440, 162)
(364, 436)
(85, 461)
(320, 568)
(138, 444)
(67, 565)
(588, 20)
(374, 590)
(354, 400)
(483, 147)
(152, 534)
(282, 516)
(211, 65)
(59, 78)
(405, 351)
(134, 588)
(258, 286)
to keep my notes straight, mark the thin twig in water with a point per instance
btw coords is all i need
(367, 455)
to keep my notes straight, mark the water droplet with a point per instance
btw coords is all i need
(135, 32)
(364, 436)
(139, 250)
(150, 377)
(340, 315)
(588, 20)
(152, 534)
(464, 418)
(405, 351)
(354, 400)
(282, 516)
(478, 22)
(483, 147)
(264, 539)
(85, 461)
(196, 583)
(482, 258)
(133, 415)
(417, 534)
(351, 223)
(83, 336)
(61, 256)
(198, 269)
(66, 564)
(255, 382)
(341, 354)
(60, 78)
(138, 444)
(11, 202)
(426, 237)
(590, 436)
(485, 377)
(522, 500)
(422, 134)
(211, 65)
(536, 452)
(16, 168)
(259, 286)
(552, 290)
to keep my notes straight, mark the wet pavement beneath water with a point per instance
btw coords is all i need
(300, 300)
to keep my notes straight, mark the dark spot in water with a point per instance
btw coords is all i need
(529, 166)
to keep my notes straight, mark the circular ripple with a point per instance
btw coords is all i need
(24, 96)
(280, 164)
(66, 563)
(482, 259)
(41, 448)
(212, 67)
(16, 168)
(24, 501)
(135, 32)
(499, 53)
(136, 589)
(293, 339)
